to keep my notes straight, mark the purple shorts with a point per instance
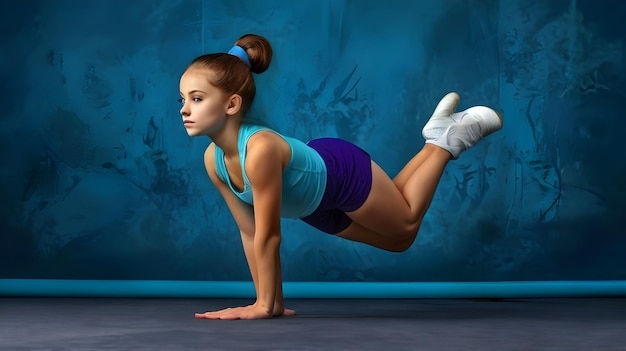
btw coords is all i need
(348, 184)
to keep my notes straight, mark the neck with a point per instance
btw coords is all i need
(227, 137)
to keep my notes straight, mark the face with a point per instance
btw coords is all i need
(205, 107)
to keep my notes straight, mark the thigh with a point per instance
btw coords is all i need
(385, 211)
(358, 233)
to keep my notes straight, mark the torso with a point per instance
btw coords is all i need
(233, 164)
(303, 170)
(234, 172)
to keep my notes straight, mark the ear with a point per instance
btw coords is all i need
(233, 104)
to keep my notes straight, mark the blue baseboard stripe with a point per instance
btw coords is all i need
(237, 289)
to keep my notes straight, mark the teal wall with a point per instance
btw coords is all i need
(99, 179)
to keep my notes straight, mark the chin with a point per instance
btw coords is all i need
(192, 132)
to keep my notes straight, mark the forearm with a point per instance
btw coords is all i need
(247, 241)
(267, 257)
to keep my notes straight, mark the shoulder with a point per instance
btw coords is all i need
(266, 148)
(263, 144)
(209, 162)
(209, 155)
(264, 138)
(266, 141)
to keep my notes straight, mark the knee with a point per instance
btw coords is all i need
(400, 246)
(404, 240)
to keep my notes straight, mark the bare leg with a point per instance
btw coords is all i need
(437, 124)
(393, 212)
(407, 171)
(390, 217)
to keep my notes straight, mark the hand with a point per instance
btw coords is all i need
(246, 312)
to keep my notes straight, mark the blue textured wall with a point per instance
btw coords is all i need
(100, 181)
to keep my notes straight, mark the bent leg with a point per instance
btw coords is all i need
(407, 171)
(436, 126)
(391, 216)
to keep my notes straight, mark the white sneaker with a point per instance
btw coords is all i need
(473, 124)
(443, 117)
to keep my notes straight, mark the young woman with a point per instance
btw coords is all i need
(329, 183)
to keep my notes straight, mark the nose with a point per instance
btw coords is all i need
(184, 111)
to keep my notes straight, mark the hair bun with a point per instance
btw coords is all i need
(259, 51)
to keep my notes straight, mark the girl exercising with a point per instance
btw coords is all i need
(328, 183)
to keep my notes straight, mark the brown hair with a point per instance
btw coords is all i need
(231, 74)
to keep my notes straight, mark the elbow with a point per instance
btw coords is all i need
(267, 242)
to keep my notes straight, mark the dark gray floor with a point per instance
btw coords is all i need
(381, 325)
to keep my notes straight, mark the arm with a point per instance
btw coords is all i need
(264, 166)
(242, 213)
(244, 217)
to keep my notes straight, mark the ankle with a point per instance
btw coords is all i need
(437, 151)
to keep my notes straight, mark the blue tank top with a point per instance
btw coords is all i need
(304, 177)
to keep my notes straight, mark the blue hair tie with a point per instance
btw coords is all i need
(241, 53)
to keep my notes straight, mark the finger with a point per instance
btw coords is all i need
(206, 316)
(247, 312)
(232, 314)
(212, 314)
(230, 317)
(289, 312)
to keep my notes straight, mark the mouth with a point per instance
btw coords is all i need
(187, 123)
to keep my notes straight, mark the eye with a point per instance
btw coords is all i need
(197, 99)
(181, 100)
